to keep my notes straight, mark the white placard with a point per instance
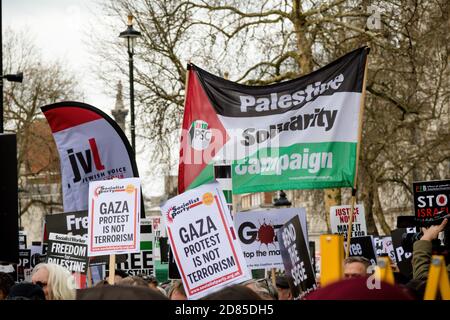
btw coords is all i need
(114, 217)
(203, 240)
(340, 215)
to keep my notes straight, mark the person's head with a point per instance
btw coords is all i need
(151, 281)
(284, 292)
(355, 267)
(176, 291)
(234, 292)
(6, 282)
(26, 291)
(259, 288)
(118, 275)
(133, 281)
(119, 292)
(56, 281)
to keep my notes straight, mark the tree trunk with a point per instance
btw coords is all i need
(332, 197)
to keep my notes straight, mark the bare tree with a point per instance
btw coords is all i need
(44, 83)
(405, 134)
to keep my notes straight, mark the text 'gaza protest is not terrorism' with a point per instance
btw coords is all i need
(196, 250)
(114, 215)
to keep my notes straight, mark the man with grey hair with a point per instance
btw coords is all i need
(355, 267)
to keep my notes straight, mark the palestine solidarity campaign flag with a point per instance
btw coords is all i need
(298, 134)
(91, 147)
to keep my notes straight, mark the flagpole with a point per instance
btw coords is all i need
(358, 147)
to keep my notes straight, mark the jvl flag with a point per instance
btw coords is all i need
(91, 147)
(298, 134)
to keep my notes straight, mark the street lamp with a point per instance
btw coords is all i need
(18, 77)
(130, 34)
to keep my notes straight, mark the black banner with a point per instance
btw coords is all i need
(431, 198)
(296, 260)
(174, 273)
(403, 257)
(69, 252)
(232, 99)
(75, 224)
(363, 247)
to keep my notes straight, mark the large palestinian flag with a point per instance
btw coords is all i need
(298, 134)
(91, 147)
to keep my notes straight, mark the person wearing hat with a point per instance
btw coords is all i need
(26, 291)
(284, 292)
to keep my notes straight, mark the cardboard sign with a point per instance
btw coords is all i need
(203, 240)
(114, 217)
(339, 217)
(403, 257)
(297, 263)
(257, 232)
(69, 252)
(363, 247)
(431, 198)
(384, 247)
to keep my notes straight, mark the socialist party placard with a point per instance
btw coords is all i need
(68, 251)
(257, 234)
(203, 240)
(114, 217)
(340, 215)
(296, 259)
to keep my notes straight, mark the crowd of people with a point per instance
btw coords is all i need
(53, 282)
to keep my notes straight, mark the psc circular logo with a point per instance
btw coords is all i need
(199, 135)
(208, 198)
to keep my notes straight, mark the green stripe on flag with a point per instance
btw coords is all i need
(146, 245)
(299, 166)
(207, 175)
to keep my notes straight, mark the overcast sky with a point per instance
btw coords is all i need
(61, 31)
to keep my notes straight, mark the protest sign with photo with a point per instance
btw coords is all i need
(403, 256)
(68, 251)
(203, 240)
(296, 259)
(431, 198)
(384, 247)
(363, 247)
(339, 217)
(257, 233)
(114, 217)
